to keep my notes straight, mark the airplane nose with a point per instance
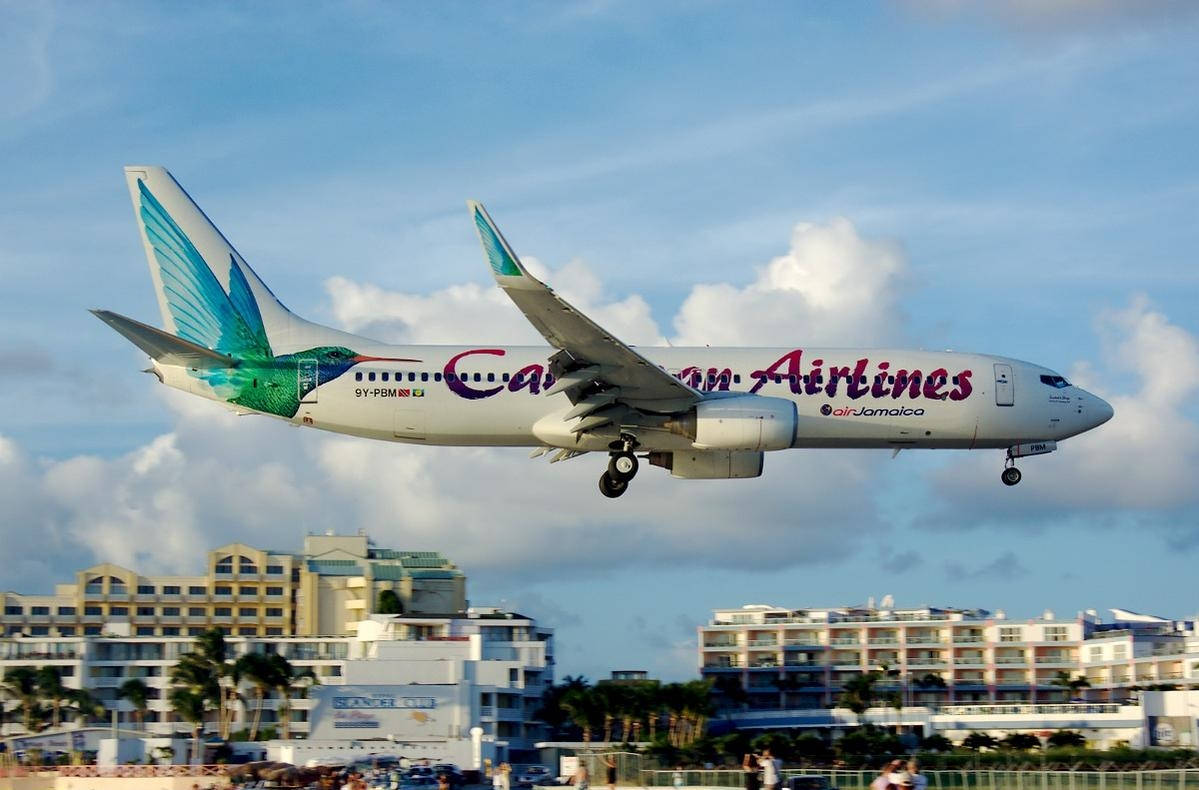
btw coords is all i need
(1099, 411)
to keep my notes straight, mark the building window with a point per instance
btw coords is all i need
(513, 675)
(195, 631)
(66, 630)
(195, 611)
(171, 611)
(145, 589)
(195, 590)
(247, 591)
(247, 631)
(1096, 653)
(222, 589)
(274, 632)
(119, 611)
(246, 565)
(274, 590)
(1055, 633)
(39, 630)
(66, 610)
(274, 612)
(92, 611)
(224, 565)
(1119, 651)
(39, 610)
(170, 630)
(91, 630)
(145, 611)
(223, 611)
(1010, 634)
(170, 589)
(247, 611)
(14, 610)
(274, 570)
(145, 630)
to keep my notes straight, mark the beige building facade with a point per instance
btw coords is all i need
(245, 591)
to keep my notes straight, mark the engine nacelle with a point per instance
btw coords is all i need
(742, 422)
(709, 464)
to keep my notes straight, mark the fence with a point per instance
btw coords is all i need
(1173, 779)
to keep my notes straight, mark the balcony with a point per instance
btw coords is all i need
(763, 643)
(883, 640)
(1011, 660)
(1055, 660)
(845, 640)
(971, 661)
(720, 645)
(925, 640)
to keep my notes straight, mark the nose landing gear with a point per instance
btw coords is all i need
(1011, 475)
(622, 467)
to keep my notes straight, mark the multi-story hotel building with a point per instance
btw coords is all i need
(800, 659)
(498, 663)
(244, 591)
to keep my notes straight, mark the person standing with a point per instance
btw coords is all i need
(749, 765)
(919, 780)
(610, 770)
(884, 780)
(772, 774)
(505, 776)
(582, 778)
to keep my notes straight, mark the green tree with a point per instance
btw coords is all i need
(1067, 738)
(1021, 742)
(138, 693)
(1070, 686)
(388, 603)
(257, 670)
(858, 692)
(979, 740)
(206, 670)
(20, 683)
(52, 691)
(936, 743)
(583, 709)
(289, 681)
(191, 706)
(86, 705)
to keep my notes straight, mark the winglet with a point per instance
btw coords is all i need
(503, 260)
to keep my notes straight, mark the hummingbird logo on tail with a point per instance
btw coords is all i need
(230, 323)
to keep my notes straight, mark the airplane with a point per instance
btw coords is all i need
(700, 413)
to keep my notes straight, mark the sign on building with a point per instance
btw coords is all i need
(401, 712)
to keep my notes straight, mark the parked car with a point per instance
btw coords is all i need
(534, 775)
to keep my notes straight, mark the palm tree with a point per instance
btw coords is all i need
(191, 706)
(51, 690)
(697, 707)
(288, 680)
(857, 693)
(138, 693)
(258, 671)
(207, 671)
(85, 704)
(20, 683)
(1069, 685)
(582, 706)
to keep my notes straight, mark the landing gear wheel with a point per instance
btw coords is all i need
(611, 487)
(622, 466)
(1010, 476)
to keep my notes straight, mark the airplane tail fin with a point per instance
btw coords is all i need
(207, 293)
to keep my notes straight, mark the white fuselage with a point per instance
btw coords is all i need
(869, 398)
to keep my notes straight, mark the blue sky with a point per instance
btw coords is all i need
(1029, 169)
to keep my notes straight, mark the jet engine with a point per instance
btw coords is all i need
(709, 464)
(741, 422)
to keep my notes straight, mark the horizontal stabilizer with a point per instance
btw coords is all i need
(163, 346)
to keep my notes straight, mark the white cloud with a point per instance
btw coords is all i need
(1145, 460)
(471, 313)
(832, 287)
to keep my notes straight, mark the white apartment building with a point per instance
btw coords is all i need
(496, 665)
(787, 659)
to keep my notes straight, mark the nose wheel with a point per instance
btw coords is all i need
(1010, 476)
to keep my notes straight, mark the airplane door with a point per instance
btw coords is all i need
(1005, 388)
(307, 380)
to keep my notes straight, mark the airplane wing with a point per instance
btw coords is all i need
(594, 368)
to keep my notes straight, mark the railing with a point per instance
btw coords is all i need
(1027, 708)
(1011, 660)
(845, 640)
(134, 771)
(1172, 779)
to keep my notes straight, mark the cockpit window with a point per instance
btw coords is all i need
(1057, 382)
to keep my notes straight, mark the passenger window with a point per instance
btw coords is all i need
(370, 376)
(358, 375)
(491, 377)
(736, 378)
(424, 376)
(955, 381)
(862, 380)
(385, 375)
(791, 378)
(549, 380)
(412, 377)
(778, 378)
(505, 377)
(451, 377)
(437, 376)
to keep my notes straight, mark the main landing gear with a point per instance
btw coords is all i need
(622, 467)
